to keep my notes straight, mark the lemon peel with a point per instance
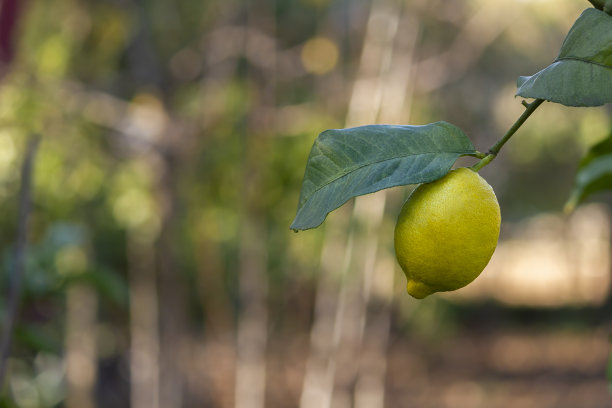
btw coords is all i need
(447, 232)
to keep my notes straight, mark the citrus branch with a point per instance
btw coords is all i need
(477, 154)
(493, 151)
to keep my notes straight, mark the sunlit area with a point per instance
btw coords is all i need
(151, 164)
(550, 260)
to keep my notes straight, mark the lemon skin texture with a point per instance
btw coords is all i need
(447, 232)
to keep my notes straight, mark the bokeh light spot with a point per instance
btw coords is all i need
(319, 55)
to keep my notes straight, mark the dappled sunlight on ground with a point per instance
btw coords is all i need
(510, 367)
(549, 260)
(501, 369)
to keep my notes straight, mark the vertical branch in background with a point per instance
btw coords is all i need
(17, 269)
(378, 264)
(172, 289)
(144, 327)
(318, 382)
(335, 329)
(217, 346)
(252, 331)
(380, 93)
(476, 35)
(171, 300)
(80, 345)
(145, 347)
(366, 104)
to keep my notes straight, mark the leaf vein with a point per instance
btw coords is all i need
(582, 60)
(327, 183)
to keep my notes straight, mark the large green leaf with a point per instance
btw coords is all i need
(345, 163)
(594, 173)
(582, 73)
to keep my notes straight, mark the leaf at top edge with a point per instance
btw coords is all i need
(582, 73)
(345, 163)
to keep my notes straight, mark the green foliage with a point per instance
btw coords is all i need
(351, 162)
(37, 338)
(82, 73)
(582, 73)
(605, 5)
(594, 173)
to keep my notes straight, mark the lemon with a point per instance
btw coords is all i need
(447, 232)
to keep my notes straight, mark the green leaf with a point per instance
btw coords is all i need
(594, 173)
(345, 163)
(602, 148)
(598, 4)
(582, 73)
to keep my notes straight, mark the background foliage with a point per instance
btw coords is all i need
(161, 270)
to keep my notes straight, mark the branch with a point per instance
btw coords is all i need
(530, 108)
(17, 269)
(492, 153)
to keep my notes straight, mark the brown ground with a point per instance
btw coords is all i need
(508, 368)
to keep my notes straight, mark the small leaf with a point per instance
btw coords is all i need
(582, 73)
(345, 163)
(594, 173)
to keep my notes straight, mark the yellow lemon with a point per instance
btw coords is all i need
(447, 232)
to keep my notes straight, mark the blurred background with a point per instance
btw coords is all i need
(160, 269)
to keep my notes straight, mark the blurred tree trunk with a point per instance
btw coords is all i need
(342, 370)
(172, 305)
(144, 328)
(252, 334)
(477, 33)
(146, 303)
(159, 307)
(216, 349)
(252, 325)
(172, 289)
(215, 353)
(379, 265)
(81, 348)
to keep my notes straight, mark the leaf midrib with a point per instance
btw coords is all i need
(582, 60)
(373, 163)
